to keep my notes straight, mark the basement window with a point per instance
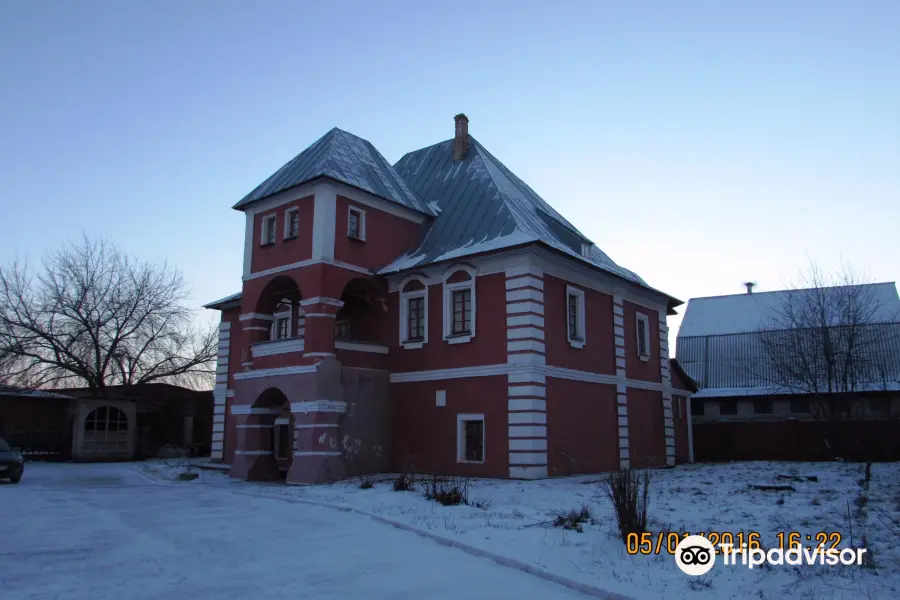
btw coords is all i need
(356, 224)
(643, 336)
(470, 441)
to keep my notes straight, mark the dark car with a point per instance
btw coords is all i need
(11, 463)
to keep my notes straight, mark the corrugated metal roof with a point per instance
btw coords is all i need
(484, 206)
(743, 313)
(222, 301)
(346, 158)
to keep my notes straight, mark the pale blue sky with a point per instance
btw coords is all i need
(697, 143)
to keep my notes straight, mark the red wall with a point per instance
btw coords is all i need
(387, 236)
(486, 348)
(427, 434)
(635, 368)
(646, 429)
(598, 354)
(581, 427)
(283, 252)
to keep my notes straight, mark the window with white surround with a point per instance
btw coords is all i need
(281, 326)
(470, 438)
(575, 317)
(459, 304)
(642, 327)
(356, 223)
(291, 223)
(267, 233)
(342, 330)
(413, 313)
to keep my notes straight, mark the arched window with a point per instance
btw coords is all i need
(106, 430)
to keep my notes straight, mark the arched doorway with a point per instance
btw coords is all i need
(106, 433)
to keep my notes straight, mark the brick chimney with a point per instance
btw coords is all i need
(461, 137)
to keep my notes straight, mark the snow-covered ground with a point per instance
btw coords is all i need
(108, 532)
(136, 531)
(695, 498)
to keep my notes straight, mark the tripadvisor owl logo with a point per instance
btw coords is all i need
(695, 555)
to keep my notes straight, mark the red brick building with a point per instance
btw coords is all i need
(435, 315)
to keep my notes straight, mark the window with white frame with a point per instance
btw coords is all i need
(470, 438)
(459, 305)
(291, 223)
(356, 224)
(575, 317)
(267, 234)
(642, 326)
(282, 328)
(413, 313)
(342, 330)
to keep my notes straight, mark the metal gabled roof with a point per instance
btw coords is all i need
(348, 159)
(747, 313)
(484, 206)
(221, 302)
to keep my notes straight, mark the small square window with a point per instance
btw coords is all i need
(728, 407)
(643, 336)
(471, 438)
(356, 224)
(462, 312)
(267, 235)
(762, 407)
(800, 406)
(291, 223)
(575, 324)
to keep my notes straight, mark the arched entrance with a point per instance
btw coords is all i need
(261, 452)
(105, 433)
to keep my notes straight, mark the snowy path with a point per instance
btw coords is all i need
(102, 531)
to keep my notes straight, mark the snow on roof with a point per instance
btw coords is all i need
(344, 157)
(745, 313)
(221, 301)
(8, 390)
(775, 390)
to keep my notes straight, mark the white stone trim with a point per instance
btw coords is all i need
(460, 437)
(322, 300)
(527, 418)
(314, 406)
(251, 316)
(525, 345)
(527, 377)
(307, 263)
(318, 354)
(244, 409)
(527, 431)
(520, 333)
(525, 320)
(253, 452)
(218, 410)
(581, 318)
(218, 427)
(528, 472)
(314, 425)
(528, 445)
(218, 419)
(405, 297)
(254, 426)
(321, 315)
(254, 328)
(324, 222)
(216, 454)
(360, 347)
(524, 294)
(447, 294)
(272, 348)
(526, 404)
(274, 372)
(527, 281)
(529, 391)
(527, 458)
(513, 308)
(263, 230)
(520, 269)
(316, 453)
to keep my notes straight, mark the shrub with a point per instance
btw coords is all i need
(573, 519)
(629, 493)
(404, 483)
(447, 492)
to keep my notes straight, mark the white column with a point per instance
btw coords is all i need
(669, 422)
(621, 381)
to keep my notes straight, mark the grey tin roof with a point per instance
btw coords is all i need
(484, 206)
(744, 313)
(348, 159)
(221, 302)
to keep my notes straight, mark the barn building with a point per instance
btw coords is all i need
(436, 316)
(759, 400)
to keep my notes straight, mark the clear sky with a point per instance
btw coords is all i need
(699, 144)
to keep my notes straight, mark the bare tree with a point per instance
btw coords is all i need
(96, 317)
(832, 339)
